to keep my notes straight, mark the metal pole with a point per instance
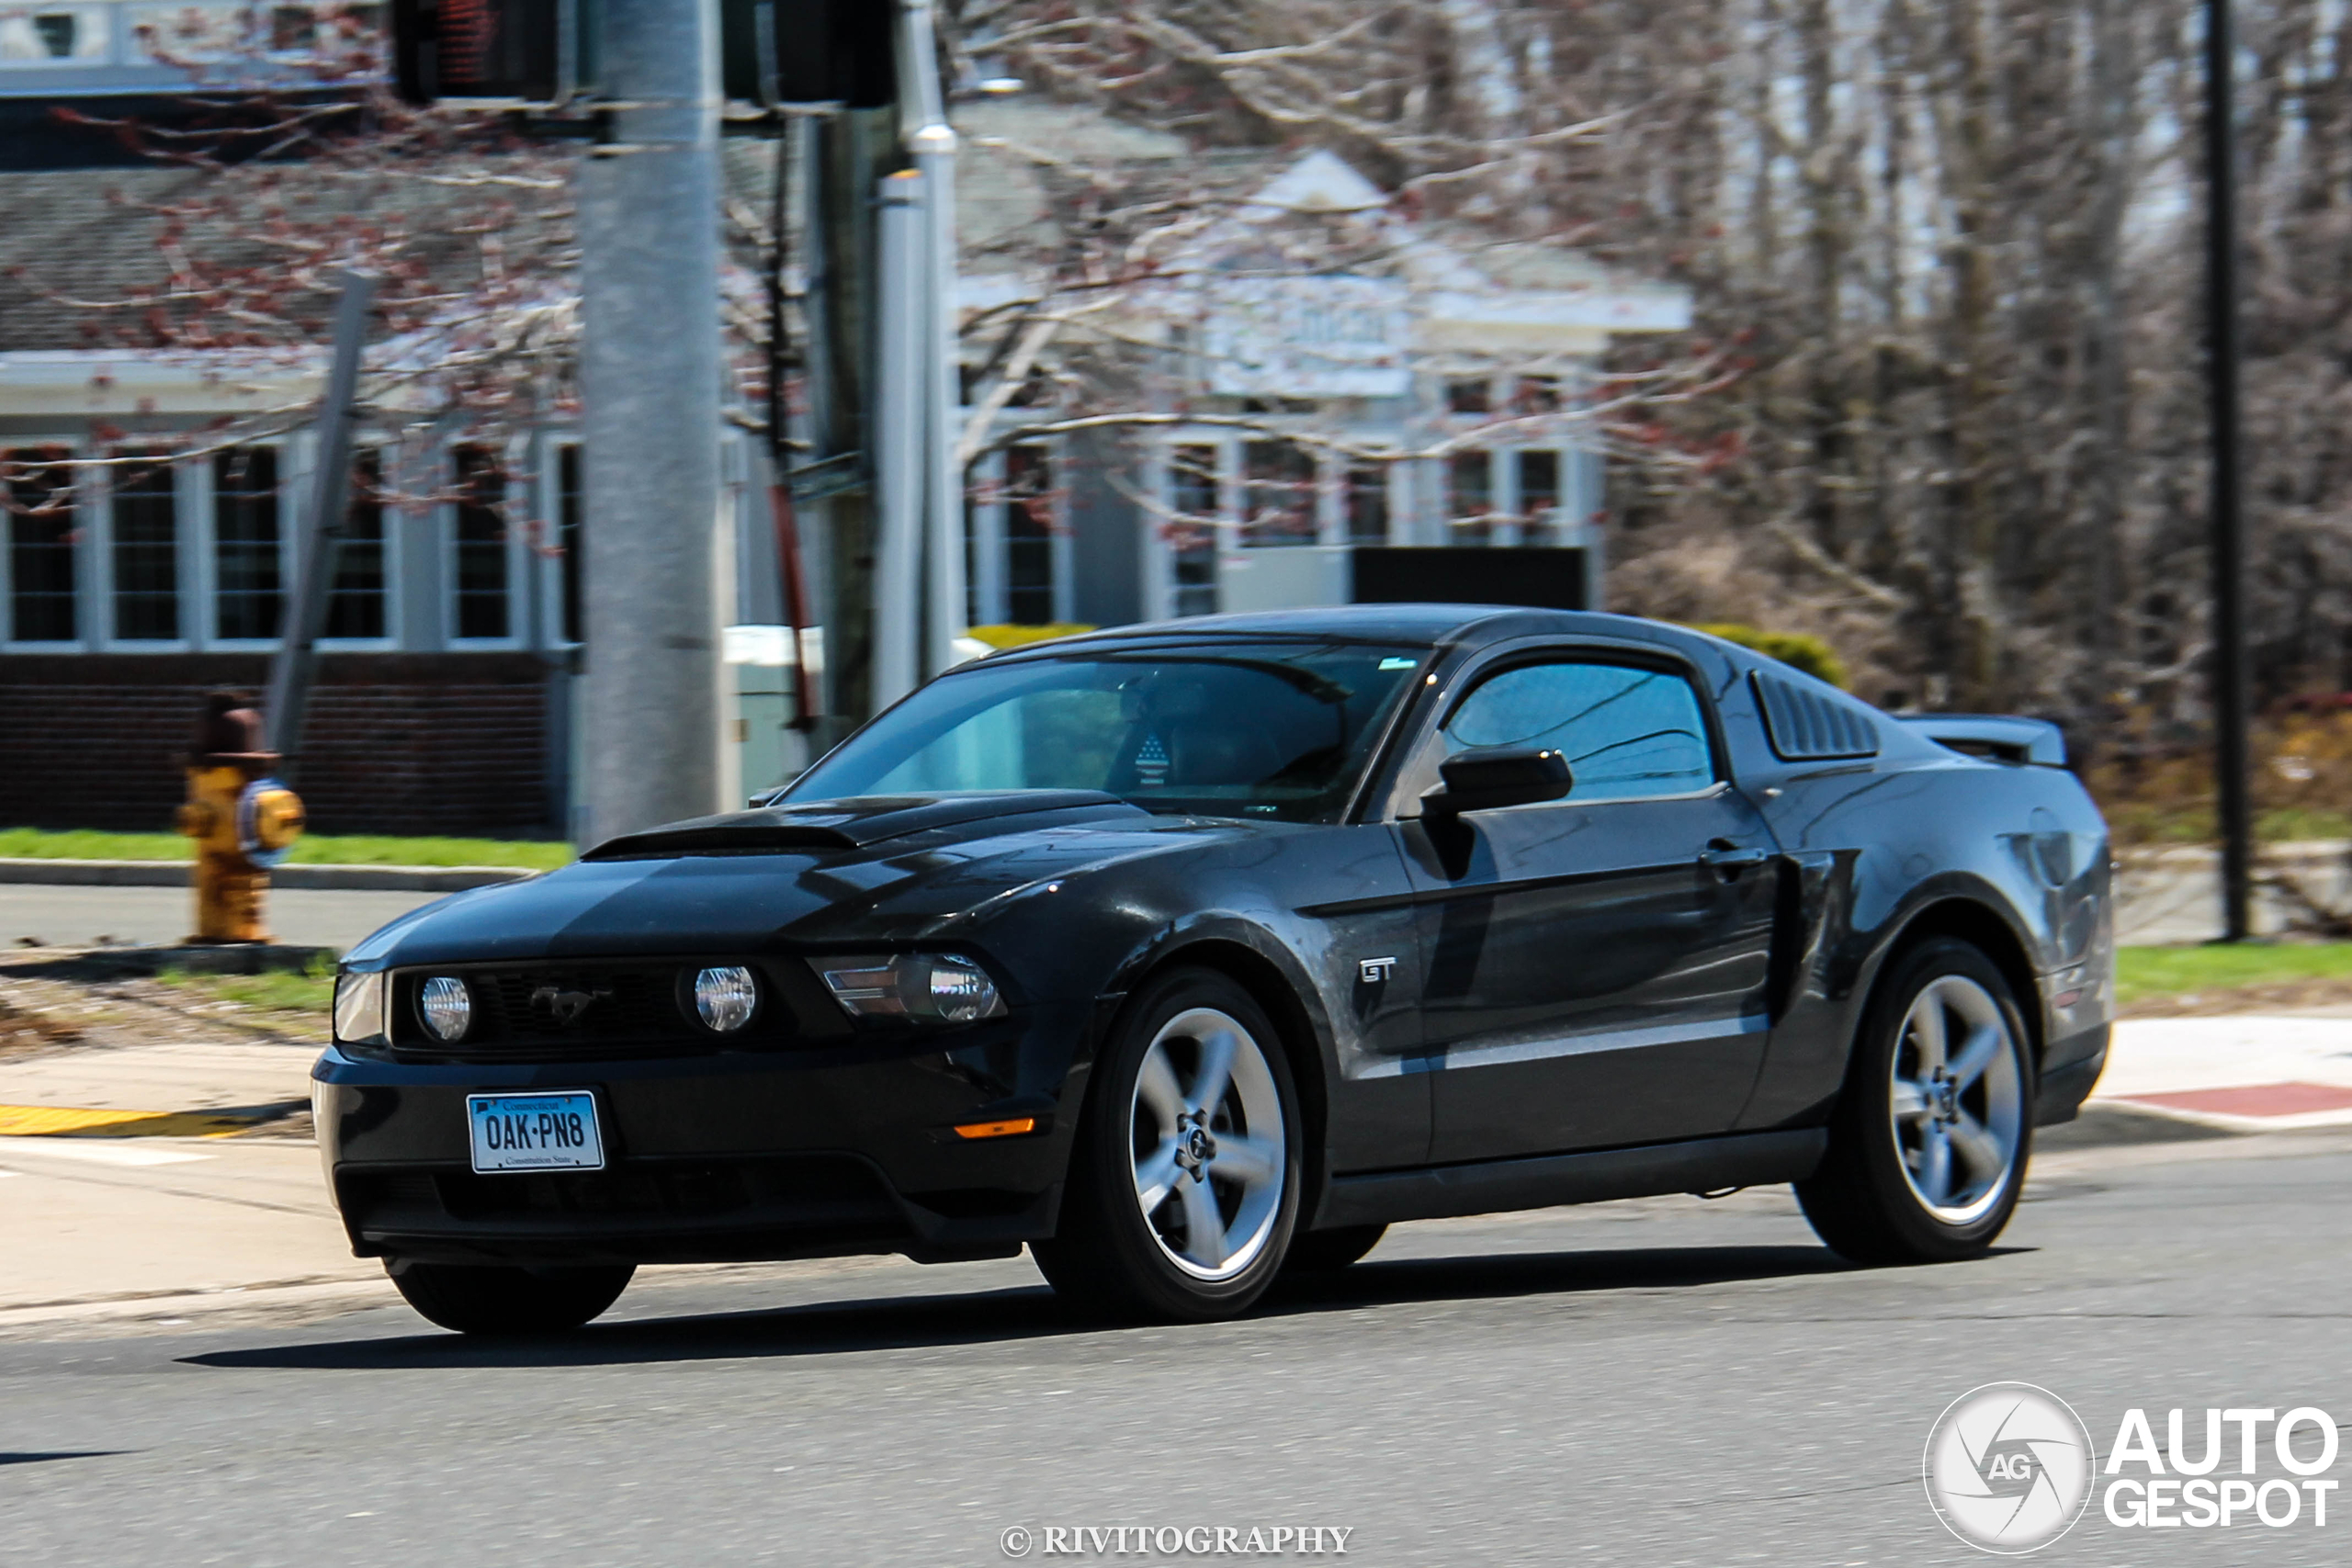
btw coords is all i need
(933, 142)
(304, 619)
(900, 387)
(2231, 694)
(650, 380)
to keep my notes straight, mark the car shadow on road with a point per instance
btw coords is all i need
(931, 1321)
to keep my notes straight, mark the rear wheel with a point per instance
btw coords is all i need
(490, 1298)
(1183, 1187)
(1929, 1142)
(1319, 1252)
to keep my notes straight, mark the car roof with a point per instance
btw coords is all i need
(1418, 624)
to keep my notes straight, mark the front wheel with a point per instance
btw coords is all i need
(1184, 1186)
(1929, 1142)
(493, 1299)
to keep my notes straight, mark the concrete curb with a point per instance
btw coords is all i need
(325, 878)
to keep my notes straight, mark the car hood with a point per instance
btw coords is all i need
(885, 869)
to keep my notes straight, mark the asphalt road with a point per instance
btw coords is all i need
(1659, 1383)
(77, 917)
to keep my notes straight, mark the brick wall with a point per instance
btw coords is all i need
(396, 742)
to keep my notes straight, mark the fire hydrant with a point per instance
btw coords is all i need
(243, 820)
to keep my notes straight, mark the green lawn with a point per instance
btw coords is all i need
(2144, 972)
(312, 991)
(312, 849)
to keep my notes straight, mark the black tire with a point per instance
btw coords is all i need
(1869, 1199)
(1109, 1257)
(1321, 1252)
(493, 1300)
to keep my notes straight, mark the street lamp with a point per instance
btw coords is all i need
(2230, 683)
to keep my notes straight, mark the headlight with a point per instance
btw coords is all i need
(359, 1006)
(914, 986)
(726, 997)
(447, 1006)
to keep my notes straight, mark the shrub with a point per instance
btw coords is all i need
(1807, 653)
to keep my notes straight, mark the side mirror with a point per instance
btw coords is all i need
(1490, 776)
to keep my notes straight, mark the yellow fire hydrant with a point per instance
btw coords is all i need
(243, 820)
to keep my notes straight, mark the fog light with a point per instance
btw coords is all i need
(918, 985)
(447, 1006)
(726, 997)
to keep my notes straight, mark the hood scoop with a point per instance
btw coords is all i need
(828, 827)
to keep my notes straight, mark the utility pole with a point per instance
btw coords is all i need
(2231, 692)
(651, 375)
(304, 619)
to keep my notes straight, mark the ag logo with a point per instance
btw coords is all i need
(2009, 1468)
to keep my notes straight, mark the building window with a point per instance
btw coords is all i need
(570, 499)
(1539, 497)
(46, 36)
(1469, 394)
(1368, 504)
(1192, 533)
(481, 543)
(1537, 394)
(146, 550)
(1471, 496)
(244, 542)
(355, 608)
(293, 30)
(1029, 535)
(41, 536)
(1278, 506)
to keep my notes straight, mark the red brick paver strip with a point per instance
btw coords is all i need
(2251, 1099)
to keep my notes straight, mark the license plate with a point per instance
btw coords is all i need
(535, 1132)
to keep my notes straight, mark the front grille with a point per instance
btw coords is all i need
(585, 1009)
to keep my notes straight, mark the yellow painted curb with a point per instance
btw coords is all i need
(66, 1122)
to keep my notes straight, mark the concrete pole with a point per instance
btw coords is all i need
(900, 392)
(304, 619)
(650, 374)
(933, 142)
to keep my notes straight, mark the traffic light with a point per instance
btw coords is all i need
(494, 51)
(838, 52)
(505, 53)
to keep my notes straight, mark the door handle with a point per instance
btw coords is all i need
(1730, 859)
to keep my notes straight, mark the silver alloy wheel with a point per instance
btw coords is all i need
(1208, 1142)
(1959, 1110)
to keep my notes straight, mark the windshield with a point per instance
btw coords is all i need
(1228, 730)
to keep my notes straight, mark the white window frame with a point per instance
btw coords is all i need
(184, 520)
(515, 457)
(208, 527)
(547, 573)
(82, 552)
(111, 31)
(387, 451)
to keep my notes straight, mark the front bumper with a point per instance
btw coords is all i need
(722, 1156)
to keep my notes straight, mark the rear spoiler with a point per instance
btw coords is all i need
(1999, 737)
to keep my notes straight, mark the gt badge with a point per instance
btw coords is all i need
(1373, 971)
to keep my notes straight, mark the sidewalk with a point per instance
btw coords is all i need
(2239, 1074)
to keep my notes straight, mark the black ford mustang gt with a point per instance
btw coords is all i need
(1187, 953)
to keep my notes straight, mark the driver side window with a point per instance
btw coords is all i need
(1626, 731)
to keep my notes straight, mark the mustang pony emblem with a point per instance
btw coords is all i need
(566, 1006)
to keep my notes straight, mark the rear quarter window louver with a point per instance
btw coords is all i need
(1808, 727)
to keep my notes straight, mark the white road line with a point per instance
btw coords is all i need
(94, 1151)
